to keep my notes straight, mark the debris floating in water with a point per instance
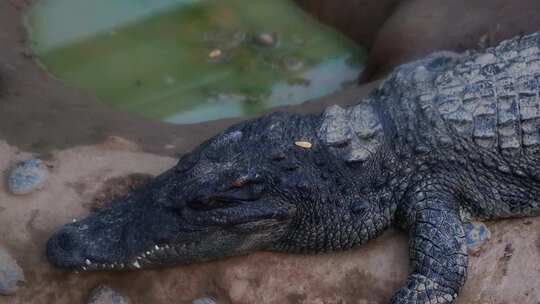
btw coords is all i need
(266, 39)
(303, 144)
(106, 295)
(215, 54)
(11, 274)
(27, 176)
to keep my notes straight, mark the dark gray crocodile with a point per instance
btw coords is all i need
(443, 140)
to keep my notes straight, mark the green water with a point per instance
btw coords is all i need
(186, 61)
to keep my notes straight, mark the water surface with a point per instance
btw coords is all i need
(186, 61)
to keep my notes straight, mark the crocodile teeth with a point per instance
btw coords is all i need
(156, 246)
(136, 264)
(88, 262)
(84, 268)
(148, 253)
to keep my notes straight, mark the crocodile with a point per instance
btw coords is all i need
(443, 140)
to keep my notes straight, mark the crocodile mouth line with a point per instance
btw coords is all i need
(153, 256)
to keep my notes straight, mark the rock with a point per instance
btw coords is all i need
(204, 301)
(27, 176)
(476, 235)
(11, 274)
(106, 295)
(266, 39)
(472, 24)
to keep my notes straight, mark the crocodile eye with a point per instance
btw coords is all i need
(246, 179)
(239, 183)
(207, 205)
(212, 203)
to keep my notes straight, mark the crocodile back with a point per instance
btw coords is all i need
(490, 98)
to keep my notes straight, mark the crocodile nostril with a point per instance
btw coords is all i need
(64, 249)
(66, 241)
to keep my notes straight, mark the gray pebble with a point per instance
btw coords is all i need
(27, 176)
(476, 234)
(106, 295)
(11, 274)
(204, 301)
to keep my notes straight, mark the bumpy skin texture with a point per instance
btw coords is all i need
(443, 140)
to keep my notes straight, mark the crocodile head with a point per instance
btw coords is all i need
(266, 184)
(249, 188)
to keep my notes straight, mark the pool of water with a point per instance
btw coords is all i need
(186, 61)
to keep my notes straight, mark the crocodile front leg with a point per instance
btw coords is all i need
(437, 248)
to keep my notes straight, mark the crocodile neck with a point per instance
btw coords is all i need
(354, 133)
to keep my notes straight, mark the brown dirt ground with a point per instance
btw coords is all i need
(505, 270)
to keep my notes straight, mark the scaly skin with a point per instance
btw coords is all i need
(443, 140)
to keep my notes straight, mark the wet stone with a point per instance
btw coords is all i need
(27, 176)
(476, 235)
(106, 295)
(266, 39)
(11, 274)
(204, 301)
